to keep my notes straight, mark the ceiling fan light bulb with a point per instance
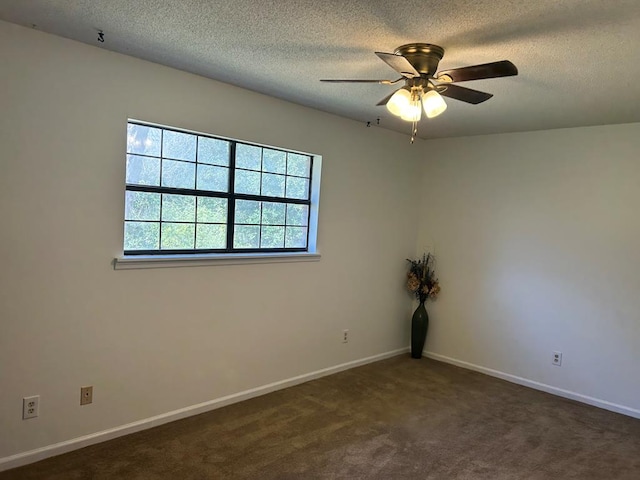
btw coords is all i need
(412, 112)
(399, 101)
(433, 104)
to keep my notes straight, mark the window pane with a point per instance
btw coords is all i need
(173, 162)
(273, 185)
(273, 213)
(247, 211)
(274, 161)
(272, 237)
(178, 208)
(144, 140)
(141, 235)
(214, 151)
(178, 174)
(211, 236)
(247, 182)
(212, 178)
(246, 236)
(248, 156)
(178, 235)
(298, 165)
(181, 146)
(143, 170)
(212, 210)
(296, 237)
(297, 215)
(142, 206)
(298, 188)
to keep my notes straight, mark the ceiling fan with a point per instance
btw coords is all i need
(424, 86)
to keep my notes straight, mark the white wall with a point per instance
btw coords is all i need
(537, 240)
(152, 341)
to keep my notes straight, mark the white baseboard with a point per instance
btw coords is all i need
(596, 402)
(31, 456)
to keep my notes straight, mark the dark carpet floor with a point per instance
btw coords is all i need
(395, 419)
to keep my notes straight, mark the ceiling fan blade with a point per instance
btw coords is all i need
(465, 94)
(503, 68)
(382, 82)
(399, 64)
(385, 99)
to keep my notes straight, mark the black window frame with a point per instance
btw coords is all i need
(229, 195)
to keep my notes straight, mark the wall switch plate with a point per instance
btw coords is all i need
(345, 336)
(30, 407)
(86, 395)
(557, 359)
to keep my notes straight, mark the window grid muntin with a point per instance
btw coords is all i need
(231, 197)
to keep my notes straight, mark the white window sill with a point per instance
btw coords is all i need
(128, 262)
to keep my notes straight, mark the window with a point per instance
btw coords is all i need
(190, 193)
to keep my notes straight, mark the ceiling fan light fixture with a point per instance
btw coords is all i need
(399, 101)
(433, 104)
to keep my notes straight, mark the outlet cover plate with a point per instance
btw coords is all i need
(30, 407)
(557, 359)
(86, 395)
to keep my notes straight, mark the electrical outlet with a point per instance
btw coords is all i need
(86, 395)
(345, 336)
(557, 359)
(30, 407)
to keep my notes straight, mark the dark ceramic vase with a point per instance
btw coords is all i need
(419, 326)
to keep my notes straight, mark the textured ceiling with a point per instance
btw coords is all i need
(579, 60)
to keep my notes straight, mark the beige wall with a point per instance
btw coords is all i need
(537, 237)
(153, 341)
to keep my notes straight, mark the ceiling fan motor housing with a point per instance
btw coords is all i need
(423, 56)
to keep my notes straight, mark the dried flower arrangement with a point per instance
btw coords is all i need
(421, 279)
